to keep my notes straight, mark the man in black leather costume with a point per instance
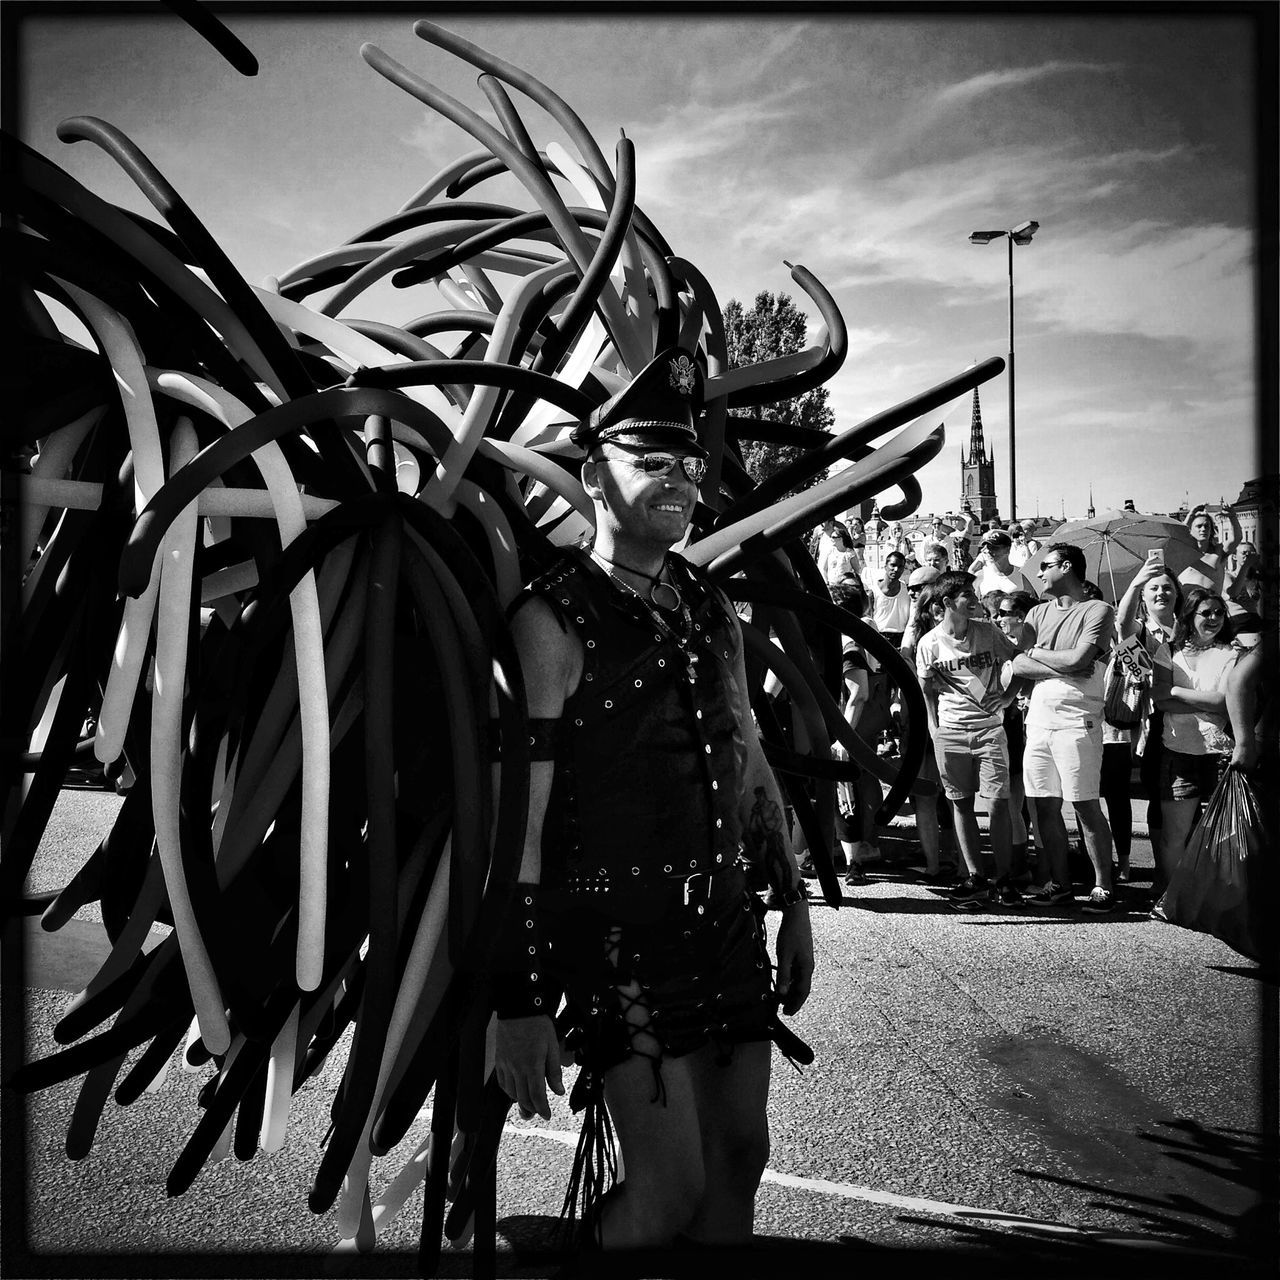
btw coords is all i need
(650, 795)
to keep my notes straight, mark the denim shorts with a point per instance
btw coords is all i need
(1187, 777)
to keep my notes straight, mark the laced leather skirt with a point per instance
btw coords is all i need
(679, 961)
(658, 970)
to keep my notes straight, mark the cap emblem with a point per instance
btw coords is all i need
(683, 375)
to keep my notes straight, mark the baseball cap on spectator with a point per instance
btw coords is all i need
(996, 538)
(926, 573)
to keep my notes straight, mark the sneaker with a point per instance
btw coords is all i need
(1005, 895)
(855, 876)
(970, 892)
(1100, 901)
(1052, 892)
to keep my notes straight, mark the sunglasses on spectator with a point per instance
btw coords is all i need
(657, 465)
(1009, 613)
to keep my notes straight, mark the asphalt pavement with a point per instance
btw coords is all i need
(1004, 1091)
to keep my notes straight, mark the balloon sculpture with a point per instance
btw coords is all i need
(266, 548)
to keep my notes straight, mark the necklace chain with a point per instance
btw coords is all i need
(640, 573)
(651, 606)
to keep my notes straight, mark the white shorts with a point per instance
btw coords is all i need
(1063, 762)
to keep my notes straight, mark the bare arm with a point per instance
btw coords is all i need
(1025, 665)
(1176, 698)
(929, 687)
(1242, 703)
(1232, 540)
(768, 842)
(527, 1050)
(857, 686)
(1061, 662)
(1127, 609)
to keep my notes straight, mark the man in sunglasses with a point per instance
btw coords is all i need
(649, 798)
(1065, 643)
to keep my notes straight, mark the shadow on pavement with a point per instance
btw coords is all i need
(1232, 1156)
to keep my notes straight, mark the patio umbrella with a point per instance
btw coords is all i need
(1115, 546)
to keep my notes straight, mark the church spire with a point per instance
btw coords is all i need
(977, 443)
(977, 471)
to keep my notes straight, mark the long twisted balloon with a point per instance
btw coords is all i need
(270, 545)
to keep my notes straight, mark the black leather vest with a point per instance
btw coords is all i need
(649, 762)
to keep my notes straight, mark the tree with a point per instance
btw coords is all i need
(774, 326)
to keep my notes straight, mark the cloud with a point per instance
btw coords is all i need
(677, 151)
(966, 92)
(1169, 282)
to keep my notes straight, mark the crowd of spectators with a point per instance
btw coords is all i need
(1042, 695)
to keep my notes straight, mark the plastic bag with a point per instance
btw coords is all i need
(1218, 885)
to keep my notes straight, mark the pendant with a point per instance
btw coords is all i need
(675, 596)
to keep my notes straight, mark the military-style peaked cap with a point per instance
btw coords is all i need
(662, 400)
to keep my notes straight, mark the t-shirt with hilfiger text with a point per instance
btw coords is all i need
(966, 672)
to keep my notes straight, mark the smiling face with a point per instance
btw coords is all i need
(645, 510)
(1010, 618)
(966, 603)
(1159, 597)
(1054, 571)
(1208, 620)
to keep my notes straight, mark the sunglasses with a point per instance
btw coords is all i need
(657, 465)
(1210, 613)
(1008, 613)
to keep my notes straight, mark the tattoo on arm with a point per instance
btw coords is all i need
(765, 839)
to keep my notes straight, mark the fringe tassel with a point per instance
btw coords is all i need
(595, 1163)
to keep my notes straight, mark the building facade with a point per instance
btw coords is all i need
(1256, 509)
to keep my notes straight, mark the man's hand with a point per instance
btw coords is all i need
(795, 958)
(527, 1059)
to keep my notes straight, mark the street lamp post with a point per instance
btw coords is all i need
(1021, 234)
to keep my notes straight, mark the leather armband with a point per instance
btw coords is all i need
(520, 985)
(544, 738)
(789, 897)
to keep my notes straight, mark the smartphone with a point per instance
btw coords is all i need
(1156, 557)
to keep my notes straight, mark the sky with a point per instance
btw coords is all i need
(864, 146)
